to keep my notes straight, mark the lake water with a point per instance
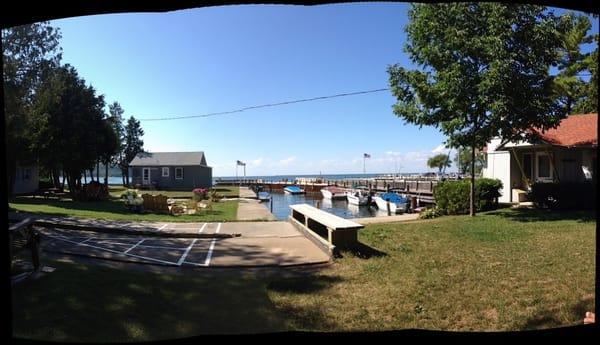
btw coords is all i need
(341, 208)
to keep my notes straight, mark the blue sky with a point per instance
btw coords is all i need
(217, 59)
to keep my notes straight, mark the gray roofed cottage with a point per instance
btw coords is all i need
(171, 170)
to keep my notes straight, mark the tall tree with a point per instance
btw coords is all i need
(28, 53)
(463, 160)
(483, 71)
(133, 144)
(569, 86)
(116, 118)
(589, 100)
(110, 143)
(69, 121)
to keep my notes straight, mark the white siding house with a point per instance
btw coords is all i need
(564, 154)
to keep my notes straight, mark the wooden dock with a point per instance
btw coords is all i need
(422, 188)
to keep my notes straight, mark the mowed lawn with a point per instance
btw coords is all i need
(226, 191)
(114, 208)
(502, 270)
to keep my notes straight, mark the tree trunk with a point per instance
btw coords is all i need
(472, 202)
(106, 174)
(63, 183)
(56, 178)
(98, 170)
(11, 170)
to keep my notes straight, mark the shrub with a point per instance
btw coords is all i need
(199, 194)
(453, 197)
(564, 195)
(430, 213)
(215, 197)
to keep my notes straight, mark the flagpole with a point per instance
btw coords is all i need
(364, 171)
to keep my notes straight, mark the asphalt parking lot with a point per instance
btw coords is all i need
(257, 244)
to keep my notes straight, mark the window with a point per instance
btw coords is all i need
(165, 172)
(544, 170)
(527, 166)
(179, 173)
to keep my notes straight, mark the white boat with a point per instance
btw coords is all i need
(264, 196)
(293, 190)
(332, 192)
(397, 203)
(358, 197)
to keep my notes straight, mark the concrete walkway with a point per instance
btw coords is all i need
(246, 192)
(200, 244)
(249, 208)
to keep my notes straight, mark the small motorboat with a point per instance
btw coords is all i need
(360, 197)
(293, 190)
(264, 196)
(396, 202)
(332, 192)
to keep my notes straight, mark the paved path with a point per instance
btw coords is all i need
(249, 208)
(260, 244)
(234, 244)
(246, 192)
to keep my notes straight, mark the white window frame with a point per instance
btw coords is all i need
(537, 167)
(179, 178)
(165, 169)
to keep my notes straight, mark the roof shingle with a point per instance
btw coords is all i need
(169, 158)
(574, 130)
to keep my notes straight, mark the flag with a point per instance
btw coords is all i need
(367, 155)
(241, 163)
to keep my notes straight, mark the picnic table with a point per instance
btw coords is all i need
(50, 192)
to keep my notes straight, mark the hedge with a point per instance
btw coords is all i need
(564, 195)
(453, 197)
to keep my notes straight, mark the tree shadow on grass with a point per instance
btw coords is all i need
(303, 284)
(361, 251)
(88, 303)
(544, 215)
(549, 319)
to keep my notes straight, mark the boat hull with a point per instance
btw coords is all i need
(395, 207)
(327, 194)
(357, 200)
(293, 191)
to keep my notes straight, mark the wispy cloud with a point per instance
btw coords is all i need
(288, 160)
(440, 149)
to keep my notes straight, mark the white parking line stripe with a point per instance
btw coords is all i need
(195, 264)
(85, 240)
(202, 228)
(116, 252)
(162, 227)
(142, 245)
(137, 244)
(186, 252)
(212, 247)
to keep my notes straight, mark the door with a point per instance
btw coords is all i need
(145, 176)
(570, 170)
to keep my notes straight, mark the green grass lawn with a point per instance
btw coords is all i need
(227, 191)
(114, 209)
(501, 270)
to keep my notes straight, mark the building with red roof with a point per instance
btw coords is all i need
(565, 153)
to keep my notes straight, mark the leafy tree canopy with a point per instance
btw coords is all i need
(439, 161)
